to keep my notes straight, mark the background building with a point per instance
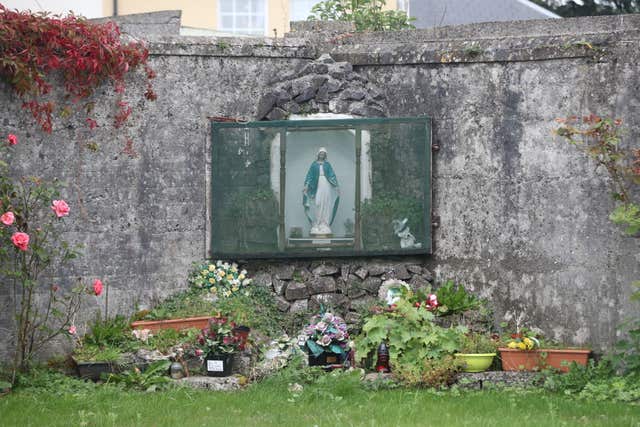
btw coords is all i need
(437, 13)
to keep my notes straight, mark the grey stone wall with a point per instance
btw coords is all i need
(523, 217)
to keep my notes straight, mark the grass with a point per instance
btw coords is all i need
(339, 403)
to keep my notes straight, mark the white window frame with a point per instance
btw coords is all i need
(245, 31)
(405, 6)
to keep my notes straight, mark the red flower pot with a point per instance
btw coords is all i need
(561, 358)
(176, 324)
(242, 332)
(519, 360)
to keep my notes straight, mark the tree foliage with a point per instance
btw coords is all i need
(367, 15)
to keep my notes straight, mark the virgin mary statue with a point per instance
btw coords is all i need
(319, 187)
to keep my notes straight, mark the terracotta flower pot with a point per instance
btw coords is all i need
(176, 324)
(519, 360)
(556, 358)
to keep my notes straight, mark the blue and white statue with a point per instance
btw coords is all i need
(322, 191)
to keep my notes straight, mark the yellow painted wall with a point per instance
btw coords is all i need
(204, 13)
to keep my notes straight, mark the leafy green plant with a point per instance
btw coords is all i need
(257, 310)
(153, 378)
(218, 338)
(165, 339)
(600, 139)
(367, 15)
(188, 303)
(94, 353)
(411, 335)
(433, 373)
(45, 381)
(578, 377)
(109, 332)
(454, 299)
(474, 343)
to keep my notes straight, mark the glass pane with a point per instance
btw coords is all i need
(227, 23)
(257, 23)
(321, 188)
(257, 7)
(245, 191)
(242, 22)
(395, 210)
(226, 6)
(242, 6)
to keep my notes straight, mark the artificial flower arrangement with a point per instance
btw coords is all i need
(523, 341)
(326, 333)
(218, 338)
(222, 279)
(421, 299)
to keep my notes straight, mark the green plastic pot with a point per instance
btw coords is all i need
(476, 362)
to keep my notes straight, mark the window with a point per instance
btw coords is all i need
(299, 10)
(403, 5)
(242, 16)
(347, 187)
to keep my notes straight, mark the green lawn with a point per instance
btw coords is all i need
(271, 404)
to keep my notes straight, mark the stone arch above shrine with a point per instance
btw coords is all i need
(322, 86)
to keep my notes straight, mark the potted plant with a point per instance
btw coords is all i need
(524, 351)
(477, 352)
(561, 358)
(521, 353)
(193, 308)
(102, 349)
(217, 344)
(326, 340)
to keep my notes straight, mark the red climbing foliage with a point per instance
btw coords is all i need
(40, 51)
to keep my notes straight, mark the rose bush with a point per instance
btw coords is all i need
(31, 248)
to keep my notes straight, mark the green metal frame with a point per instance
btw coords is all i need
(357, 125)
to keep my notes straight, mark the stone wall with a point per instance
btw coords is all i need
(523, 218)
(344, 286)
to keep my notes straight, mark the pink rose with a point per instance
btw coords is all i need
(55, 288)
(60, 207)
(7, 218)
(97, 287)
(21, 240)
(12, 139)
(72, 330)
(199, 352)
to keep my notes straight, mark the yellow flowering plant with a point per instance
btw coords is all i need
(222, 279)
(523, 341)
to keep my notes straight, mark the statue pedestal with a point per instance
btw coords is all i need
(320, 242)
(321, 235)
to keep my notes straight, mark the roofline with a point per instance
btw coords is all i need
(538, 8)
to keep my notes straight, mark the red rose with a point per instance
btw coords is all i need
(12, 139)
(60, 207)
(20, 240)
(7, 218)
(97, 287)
